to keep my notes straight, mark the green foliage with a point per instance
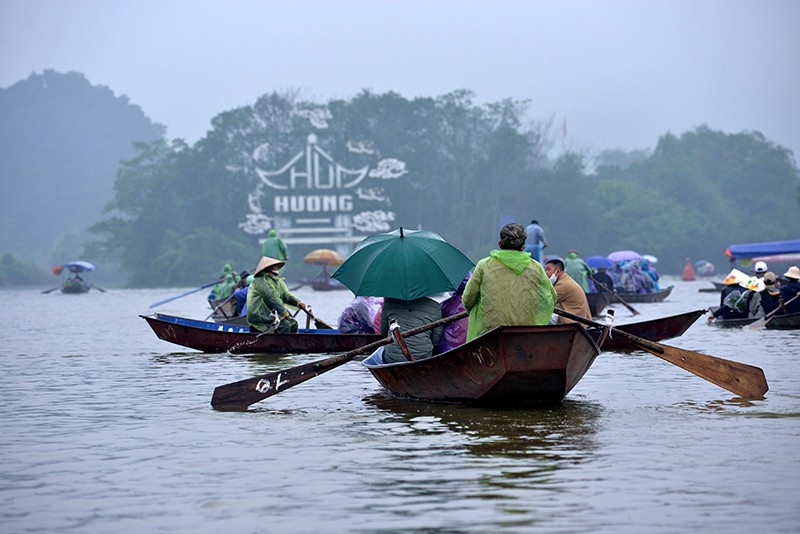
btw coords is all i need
(177, 209)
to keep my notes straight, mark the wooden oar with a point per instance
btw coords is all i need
(603, 286)
(45, 292)
(319, 323)
(100, 289)
(761, 323)
(744, 380)
(160, 302)
(243, 393)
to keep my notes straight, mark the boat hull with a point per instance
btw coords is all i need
(646, 297)
(652, 330)
(218, 338)
(75, 289)
(510, 365)
(597, 302)
(784, 322)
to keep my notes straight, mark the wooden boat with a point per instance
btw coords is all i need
(734, 323)
(597, 302)
(784, 322)
(75, 287)
(778, 322)
(509, 365)
(215, 337)
(658, 296)
(653, 330)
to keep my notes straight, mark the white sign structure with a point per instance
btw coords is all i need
(314, 200)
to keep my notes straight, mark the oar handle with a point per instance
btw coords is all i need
(195, 290)
(603, 286)
(243, 393)
(641, 341)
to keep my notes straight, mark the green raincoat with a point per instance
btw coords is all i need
(274, 247)
(269, 292)
(578, 270)
(507, 288)
(224, 289)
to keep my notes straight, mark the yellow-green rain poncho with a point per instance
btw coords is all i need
(507, 288)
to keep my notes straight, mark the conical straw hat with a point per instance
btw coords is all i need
(265, 263)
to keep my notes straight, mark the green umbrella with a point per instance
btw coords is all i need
(403, 264)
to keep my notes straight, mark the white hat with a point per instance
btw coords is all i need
(793, 272)
(761, 267)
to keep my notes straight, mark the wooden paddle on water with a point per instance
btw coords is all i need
(744, 380)
(605, 287)
(761, 323)
(241, 394)
(46, 291)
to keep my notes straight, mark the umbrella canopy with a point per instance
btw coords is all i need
(403, 264)
(324, 256)
(650, 258)
(624, 255)
(74, 267)
(599, 262)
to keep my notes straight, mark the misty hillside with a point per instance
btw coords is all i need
(62, 139)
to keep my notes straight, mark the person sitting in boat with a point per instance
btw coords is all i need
(361, 316)
(623, 277)
(240, 293)
(455, 333)
(226, 285)
(508, 287)
(760, 269)
(767, 298)
(733, 300)
(267, 299)
(578, 269)
(411, 314)
(648, 271)
(602, 281)
(570, 296)
(790, 290)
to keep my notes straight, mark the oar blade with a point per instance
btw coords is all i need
(742, 379)
(241, 394)
(747, 381)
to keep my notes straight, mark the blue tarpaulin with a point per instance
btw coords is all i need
(773, 248)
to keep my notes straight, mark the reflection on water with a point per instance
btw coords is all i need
(554, 432)
(108, 428)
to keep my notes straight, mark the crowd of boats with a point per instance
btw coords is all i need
(509, 365)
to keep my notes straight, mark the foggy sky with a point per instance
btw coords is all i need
(619, 73)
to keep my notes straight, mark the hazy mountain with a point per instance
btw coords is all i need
(61, 141)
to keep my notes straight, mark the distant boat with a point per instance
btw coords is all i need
(74, 284)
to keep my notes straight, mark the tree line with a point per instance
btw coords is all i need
(175, 216)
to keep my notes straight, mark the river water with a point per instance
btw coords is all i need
(107, 428)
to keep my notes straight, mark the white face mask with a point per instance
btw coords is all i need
(553, 278)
